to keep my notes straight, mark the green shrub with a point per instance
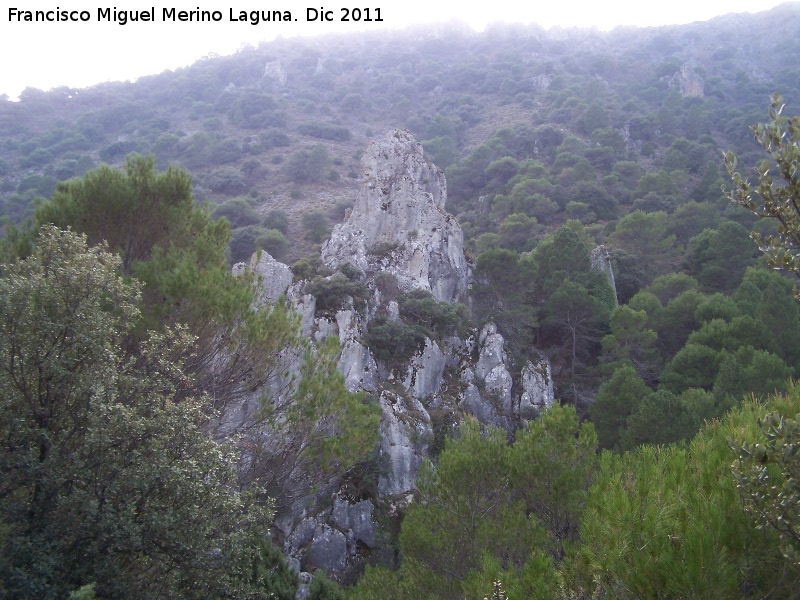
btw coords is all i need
(238, 212)
(332, 293)
(309, 166)
(274, 242)
(243, 242)
(420, 308)
(277, 219)
(309, 268)
(226, 180)
(317, 225)
(382, 249)
(394, 341)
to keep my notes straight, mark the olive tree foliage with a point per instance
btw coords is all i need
(105, 478)
(770, 199)
(768, 474)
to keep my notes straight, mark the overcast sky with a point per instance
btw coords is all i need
(80, 54)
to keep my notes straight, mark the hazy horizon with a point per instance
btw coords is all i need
(82, 54)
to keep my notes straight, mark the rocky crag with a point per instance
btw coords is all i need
(398, 228)
(398, 223)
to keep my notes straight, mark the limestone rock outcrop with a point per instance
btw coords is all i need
(537, 389)
(489, 390)
(398, 226)
(688, 81)
(405, 427)
(273, 278)
(398, 223)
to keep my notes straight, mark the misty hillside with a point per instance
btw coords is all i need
(281, 126)
(421, 314)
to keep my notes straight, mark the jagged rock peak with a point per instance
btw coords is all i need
(398, 223)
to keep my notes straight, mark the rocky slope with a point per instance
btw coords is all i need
(398, 228)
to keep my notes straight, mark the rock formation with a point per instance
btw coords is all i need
(398, 224)
(688, 81)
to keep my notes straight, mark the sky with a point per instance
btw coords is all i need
(79, 54)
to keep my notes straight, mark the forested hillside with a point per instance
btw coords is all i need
(564, 152)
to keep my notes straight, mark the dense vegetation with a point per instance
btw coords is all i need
(116, 366)
(553, 144)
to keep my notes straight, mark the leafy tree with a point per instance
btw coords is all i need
(749, 371)
(465, 509)
(631, 340)
(718, 258)
(553, 461)
(501, 294)
(578, 315)
(517, 231)
(178, 252)
(617, 399)
(767, 473)
(561, 257)
(132, 211)
(767, 297)
(692, 218)
(660, 418)
(107, 479)
(645, 236)
(490, 511)
(676, 321)
(694, 366)
(781, 139)
(667, 522)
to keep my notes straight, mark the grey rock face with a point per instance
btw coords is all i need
(274, 70)
(302, 534)
(328, 549)
(356, 362)
(424, 375)
(398, 223)
(473, 403)
(303, 304)
(688, 81)
(273, 277)
(356, 518)
(492, 368)
(405, 427)
(537, 388)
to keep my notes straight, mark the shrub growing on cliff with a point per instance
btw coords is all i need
(394, 341)
(332, 293)
(437, 318)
